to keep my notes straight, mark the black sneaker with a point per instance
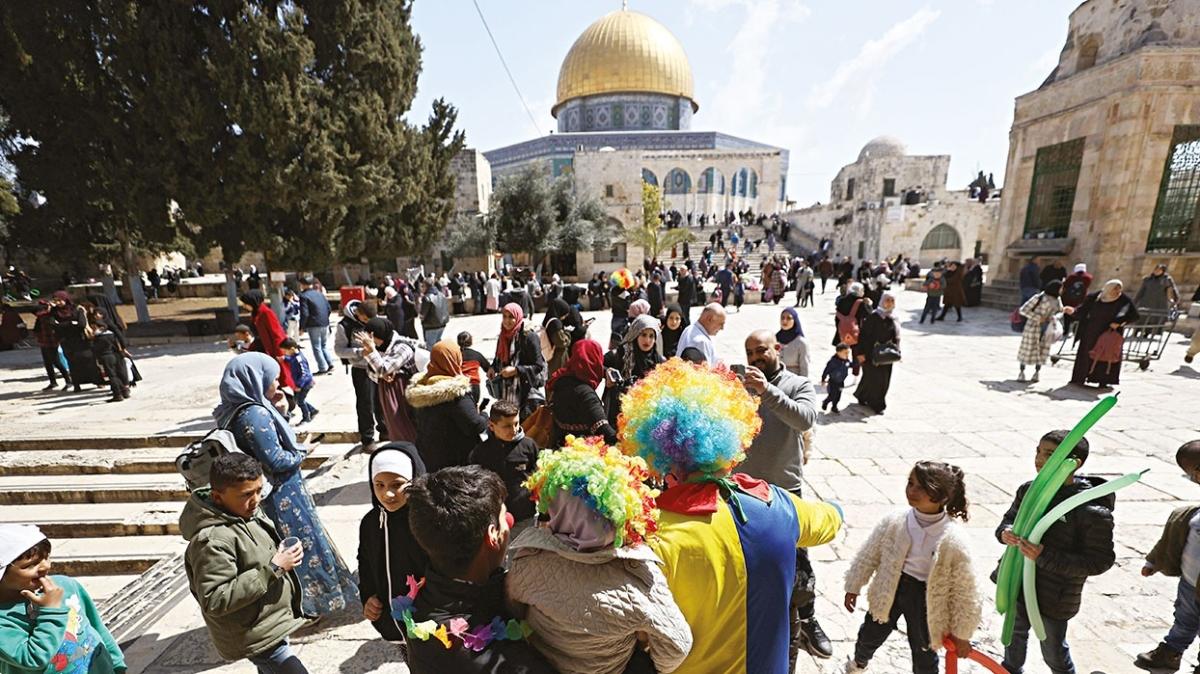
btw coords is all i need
(1162, 657)
(814, 640)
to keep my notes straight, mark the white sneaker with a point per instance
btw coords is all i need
(853, 667)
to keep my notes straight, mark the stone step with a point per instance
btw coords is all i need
(102, 587)
(98, 520)
(119, 461)
(143, 442)
(110, 488)
(112, 556)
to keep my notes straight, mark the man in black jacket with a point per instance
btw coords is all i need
(458, 516)
(314, 319)
(1077, 546)
(655, 295)
(687, 292)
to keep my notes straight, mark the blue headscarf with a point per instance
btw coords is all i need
(246, 380)
(786, 336)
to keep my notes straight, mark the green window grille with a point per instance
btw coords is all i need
(940, 238)
(1052, 195)
(1175, 228)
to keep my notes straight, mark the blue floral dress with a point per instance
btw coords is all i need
(328, 585)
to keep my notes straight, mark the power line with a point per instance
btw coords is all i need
(506, 70)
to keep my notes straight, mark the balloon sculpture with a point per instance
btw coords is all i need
(952, 660)
(1030, 517)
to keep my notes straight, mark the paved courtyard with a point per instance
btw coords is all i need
(954, 398)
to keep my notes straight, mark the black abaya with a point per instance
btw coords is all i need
(1095, 318)
(78, 350)
(873, 387)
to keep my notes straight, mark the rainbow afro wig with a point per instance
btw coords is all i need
(610, 483)
(623, 278)
(687, 416)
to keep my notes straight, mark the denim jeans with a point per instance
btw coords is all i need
(932, 303)
(278, 660)
(433, 336)
(1055, 650)
(306, 410)
(1187, 618)
(319, 338)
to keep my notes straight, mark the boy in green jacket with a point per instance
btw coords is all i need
(48, 624)
(248, 593)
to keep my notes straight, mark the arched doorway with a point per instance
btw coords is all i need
(677, 186)
(941, 241)
(711, 191)
(649, 177)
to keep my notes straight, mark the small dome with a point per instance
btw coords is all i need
(883, 146)
(625, 52)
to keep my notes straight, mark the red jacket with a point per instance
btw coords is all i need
(270, 334)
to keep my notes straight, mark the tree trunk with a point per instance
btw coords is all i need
(276, 293)
(133, 280)
(231, 290)
(346, 275)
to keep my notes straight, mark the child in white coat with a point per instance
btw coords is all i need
(922, 570)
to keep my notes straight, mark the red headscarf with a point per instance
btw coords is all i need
(504, 347)
(586, 363)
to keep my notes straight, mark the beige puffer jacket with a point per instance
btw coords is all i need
(952, 598)
(586, 608)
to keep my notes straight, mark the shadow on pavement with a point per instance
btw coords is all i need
(1074, 392)
(1185, 372)
(372, 655)
(1005, 385)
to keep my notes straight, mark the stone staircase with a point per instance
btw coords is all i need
(109, 505)
(1002, 294)
(755, 258)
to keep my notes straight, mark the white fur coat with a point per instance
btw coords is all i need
(952, 598)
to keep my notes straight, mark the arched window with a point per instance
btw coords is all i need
(649, 177)
(678, 182)
(753, 184)
(942, 237)
(712, 181)
(741, 182)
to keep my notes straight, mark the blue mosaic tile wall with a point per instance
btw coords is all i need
(634, 112)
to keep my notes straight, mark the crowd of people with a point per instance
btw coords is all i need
(569, 506)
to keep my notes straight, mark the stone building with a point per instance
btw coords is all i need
(890, 203)
(1104, 157)
(472, 196)
(625, 108)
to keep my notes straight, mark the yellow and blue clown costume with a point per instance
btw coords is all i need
(727, 541)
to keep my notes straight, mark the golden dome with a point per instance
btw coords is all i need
(625, 52)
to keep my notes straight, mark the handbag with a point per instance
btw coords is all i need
(539, 426)
(885, 353)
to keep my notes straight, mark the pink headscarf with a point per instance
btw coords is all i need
(638, 308)
(504, 347)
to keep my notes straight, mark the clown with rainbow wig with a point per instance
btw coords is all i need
(727, 541)
(592, 589)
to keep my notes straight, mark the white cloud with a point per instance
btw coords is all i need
(858, 74)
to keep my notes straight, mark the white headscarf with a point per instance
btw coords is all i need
(15, 540)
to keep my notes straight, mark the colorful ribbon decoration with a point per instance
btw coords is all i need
(476, 639)
(1049, 479)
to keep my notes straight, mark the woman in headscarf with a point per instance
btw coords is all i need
(112, 317)
(577, 408)
(71, 325)
(879, 327)
(518, 366)
(248, 390)
(955, 295)
(794, 354)
(1107, 309)
(563, 327)
(1036, 339)
(638, 353)
(973, 279)
(1158, 291)
(672, 330)
(390, 363)
(448, 423)
(408, 307)
(268, 332)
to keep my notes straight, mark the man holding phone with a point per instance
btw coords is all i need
(788, 408)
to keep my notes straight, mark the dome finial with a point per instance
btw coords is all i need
(624, 5)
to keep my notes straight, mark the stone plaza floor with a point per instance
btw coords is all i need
(954, 397)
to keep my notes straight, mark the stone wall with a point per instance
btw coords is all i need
(909, 172)
(1126, 110)
(1101, 31)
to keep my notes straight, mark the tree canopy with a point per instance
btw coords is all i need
(274, 125)
(650, 235)
(533, 213)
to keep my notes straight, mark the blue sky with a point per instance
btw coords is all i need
(818, 77)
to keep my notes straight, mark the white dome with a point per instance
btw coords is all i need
(883, 146)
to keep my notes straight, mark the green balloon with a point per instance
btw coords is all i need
(1006, 581)
(1008, 577)
(1030, 567)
